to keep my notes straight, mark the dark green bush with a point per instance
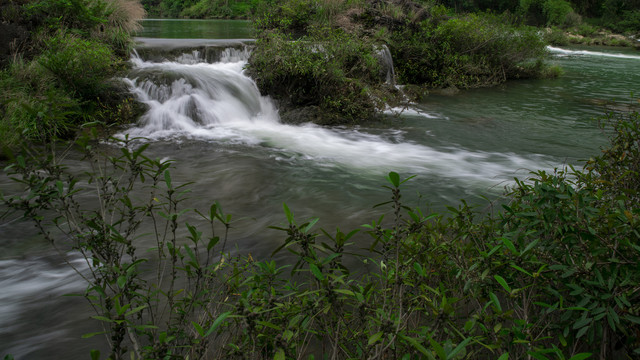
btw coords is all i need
(81, 15)
(33, 108)
(82, 66)
(475, 50)
(328, 68)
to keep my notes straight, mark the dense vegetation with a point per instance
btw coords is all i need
(550, 274)
(622, 16)
(327, 56)
(57, 66)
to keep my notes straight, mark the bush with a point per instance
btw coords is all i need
(556, 37)
(475, 50)
(328, 68)
(557, 11)
(81, 15)
(82, 67)
(32, 107)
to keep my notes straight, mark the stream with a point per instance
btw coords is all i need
(227, 139)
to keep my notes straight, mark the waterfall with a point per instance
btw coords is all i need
(189, 93)
(386, 60)
(191, 97)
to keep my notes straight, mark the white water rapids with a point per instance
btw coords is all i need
(565, 52)
(189, 98)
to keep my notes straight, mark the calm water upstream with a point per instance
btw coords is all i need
(227, 139)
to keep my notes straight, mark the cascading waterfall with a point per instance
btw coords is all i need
(386, 60)
(189, 98)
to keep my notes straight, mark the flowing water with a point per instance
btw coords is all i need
(226, 138)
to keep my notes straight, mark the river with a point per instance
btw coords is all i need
(227, 139)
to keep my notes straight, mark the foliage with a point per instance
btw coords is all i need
(328, 68)
(61, 76)
(430, 46)
(475, 50)
(81, 15)
(240, 9)
(33, 108)
(552, 275)
(82, 66)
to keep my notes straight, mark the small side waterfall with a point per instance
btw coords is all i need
(386, 60)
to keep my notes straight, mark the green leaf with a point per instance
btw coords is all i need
(122, 281)
(279, 354)
(102, 318)
(459, 348)
(520, 269)
(582, 332)
(133, 311)
(418, 268)
(537, 355)
(439, 349)
(316, 271)
(89, 335)
(581, 356)
(95, 354)
(634, 319)
(269, 325)
(167, 178)
(509, 245)
(495, 301)
(187, 248)
(345, 292)
(502, 282)
(310, 225)
(198, 327)
(374, 338)
(413, 342)
(288, 213)
(394, 178)
(217, 322)
(530, 246)
(504, 356)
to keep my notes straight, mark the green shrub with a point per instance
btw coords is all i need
(557, 11)
(291, 16)
(475, 50)
(33, 108)
(556, 37)
(548, 12)
(81, 66)
(630, 22)
(328, 68)
(81, 15)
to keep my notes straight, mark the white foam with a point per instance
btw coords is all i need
(565, 52)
